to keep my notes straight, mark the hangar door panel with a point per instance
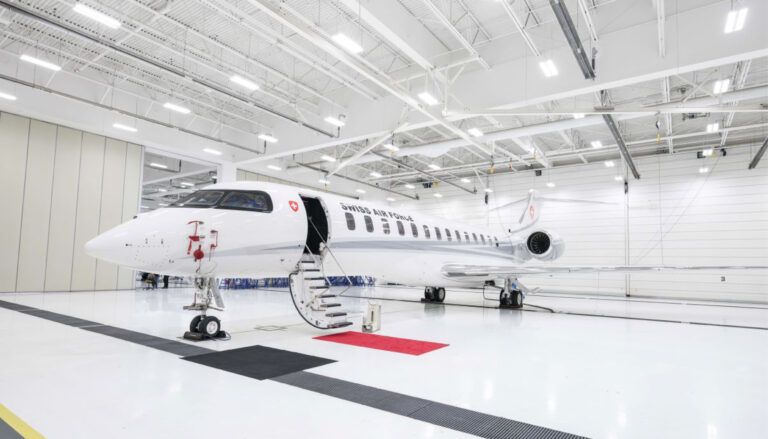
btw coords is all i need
(13, 143)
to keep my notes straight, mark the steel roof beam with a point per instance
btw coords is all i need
(572, 36)
(620, 143)
(759, 155)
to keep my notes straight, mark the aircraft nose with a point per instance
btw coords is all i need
(107, 247)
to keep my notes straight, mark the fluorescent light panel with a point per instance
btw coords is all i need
(93, 14)
(549, 68)
(578, 115)
(176, 108)
(323, 181)
(247, 83)
(434, 167)
(735, 20)
(489, 190)
(7, 96)
(410, 186)
(274, 167)
(597, 144)
(428, 99)
(609, 163)
(267, 138)
(39, 62)
(713, 127)
(158, 165)
(721, 86)
(375, 174)
(360, 191)
(212, 151)
(391, 147)
(390, 199)
(327, 158)
(438, 195)
(186, 184)
(466, 180)
(703, 170)
(347, 43)
(334, 121)
(550, 184)
(618, 178)
(708, 152)
(120, 126)
(475, 132)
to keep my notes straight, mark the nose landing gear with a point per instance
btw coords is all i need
(203, 326)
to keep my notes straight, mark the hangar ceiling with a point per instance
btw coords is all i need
(248, 72)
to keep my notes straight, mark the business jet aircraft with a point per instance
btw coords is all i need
(262, 230)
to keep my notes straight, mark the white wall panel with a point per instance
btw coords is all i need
(37, 207)
(673, 215)
(111, 206)
(61, 234)
(88, 210)
(131, 192)
(14, 131)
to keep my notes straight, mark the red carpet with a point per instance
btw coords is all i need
(382, 342)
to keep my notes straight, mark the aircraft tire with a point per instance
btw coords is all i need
(439, 295)
(210, 326)
(195, 324)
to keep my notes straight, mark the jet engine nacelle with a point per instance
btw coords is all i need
(544, 245)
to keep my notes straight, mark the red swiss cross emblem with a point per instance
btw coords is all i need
(532, 211)
(294, 205)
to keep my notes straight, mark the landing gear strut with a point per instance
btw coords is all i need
(434, 294)
(203, 326)
(511, 296)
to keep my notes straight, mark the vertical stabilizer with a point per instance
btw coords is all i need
(530, 215)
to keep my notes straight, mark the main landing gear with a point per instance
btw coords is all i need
(511, 296)
(434, 294)
(203, 326)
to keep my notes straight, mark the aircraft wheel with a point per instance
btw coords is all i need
(439, 295)
(194, 324)
(504, 299)
(210, 326)
(429, 294)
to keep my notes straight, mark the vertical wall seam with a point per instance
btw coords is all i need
(77, 209)
(50, 210)
(23, 197)
(122, 207)
(101, 196)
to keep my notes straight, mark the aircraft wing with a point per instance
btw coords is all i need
(456, 271)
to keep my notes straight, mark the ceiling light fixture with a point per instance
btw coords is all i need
(212, 151)
(162, 189)
(390, 199)
(158, 165)
(609, 164)
(360, 191)
(578, 115)
(7, 96)
(597, 144)
(93, 14)
(618, 178)
(721, 86)
(268, 138)
(434, 167)
(323, 181)
(347, 43)
(708, 152)
(550, 184)
(327, 158)
(549, 68)
(375, 174)
(274, 167)
(428, 98)
(247, 83)
(466, 180)
(391, 147)
(120, 126)
(176, 108)
(713, 127)
(438, 195)
(162, 204)
(334, 121)
(39, 62)
(735, 20)
(187, 184)
(489, 190)
(703, 170)
(475, 132)
(410, 186)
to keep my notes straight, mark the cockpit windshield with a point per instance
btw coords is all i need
(254, 201)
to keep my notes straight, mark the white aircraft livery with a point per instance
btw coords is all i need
(264, 230)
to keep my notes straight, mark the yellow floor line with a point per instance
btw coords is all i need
(17, 424)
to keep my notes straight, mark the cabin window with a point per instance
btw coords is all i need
(255, 201)
(466, 237)
(448, 235)
(482, 237)
(474, 237)
(458, 236)
(385, 226)
(350, 221)
(400, 228)
(414, 230)
(200, 199)
(426, 232)
(368, 223)
(437, 234)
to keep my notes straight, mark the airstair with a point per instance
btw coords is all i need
(312, 297)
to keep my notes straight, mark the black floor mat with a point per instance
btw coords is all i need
(259, 362)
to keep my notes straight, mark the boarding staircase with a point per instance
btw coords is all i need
(312, 297)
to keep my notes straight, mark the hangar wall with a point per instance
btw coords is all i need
(61, 187)
(673, 215)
